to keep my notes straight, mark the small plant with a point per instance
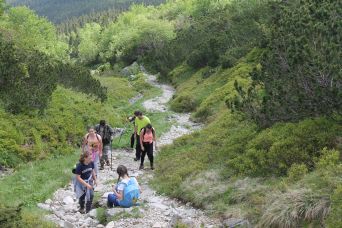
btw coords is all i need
(101, 215)
(296, 172)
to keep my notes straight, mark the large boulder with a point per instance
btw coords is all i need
(133, 69)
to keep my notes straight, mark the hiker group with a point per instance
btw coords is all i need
(96, 149)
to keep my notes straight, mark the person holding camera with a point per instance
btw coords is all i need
(140, 122)
(131, 119)
(106, 132)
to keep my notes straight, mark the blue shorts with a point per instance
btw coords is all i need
(112, 201)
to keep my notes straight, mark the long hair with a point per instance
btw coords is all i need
(83, 156)
(122, 171)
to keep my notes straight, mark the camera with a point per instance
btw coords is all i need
(131, 118)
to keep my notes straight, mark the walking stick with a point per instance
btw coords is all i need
(111, 152)
(111, 155)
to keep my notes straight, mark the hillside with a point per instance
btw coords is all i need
(261, 80)
(57, 11)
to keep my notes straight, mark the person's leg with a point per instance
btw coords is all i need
(112, 200)
(105, 155)
(81, 201)
(150, 154)
(137, 149)
(143, 154)
(96, 163)
(102, 160)
(132, 140)
(89, 203)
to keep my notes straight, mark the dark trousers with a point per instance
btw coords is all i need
(149, 151)
(132, 140)
(137, 148)
(88, 204)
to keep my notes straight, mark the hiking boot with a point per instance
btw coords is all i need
(136, 159)
(141, 167)
(81, 210)
(152, 167)
(108, 163)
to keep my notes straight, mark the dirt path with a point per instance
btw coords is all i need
(156, 210)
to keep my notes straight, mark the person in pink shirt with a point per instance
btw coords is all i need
(147, 137)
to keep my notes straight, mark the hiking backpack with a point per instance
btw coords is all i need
(131, 194)
(106, 137)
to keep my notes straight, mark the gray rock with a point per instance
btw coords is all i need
(112, 211)
(105, 195)
(159, 206)
(235, 222)
(44, 206)
(100, 226)
(68, 225)
(129, 70)
(92, 213)
(110, 225)
(48, 201)
(68, 200)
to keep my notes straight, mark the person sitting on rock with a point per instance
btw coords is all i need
(127, 191)
(85, 181)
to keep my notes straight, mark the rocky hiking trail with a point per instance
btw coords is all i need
(155, 210)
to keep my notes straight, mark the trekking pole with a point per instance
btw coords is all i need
(111, 155)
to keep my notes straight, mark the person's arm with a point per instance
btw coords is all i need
(141, 139)
(111, 131)
(135, 129)
(84, 142)
(154, 137)
(78, 177)
(94, 177)
(100, 145)
(119, 193)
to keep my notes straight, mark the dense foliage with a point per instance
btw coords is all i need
(301, 68)
(33, 61)
(264, 76)
(60, 10)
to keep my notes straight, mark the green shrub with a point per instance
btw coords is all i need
(334, 218)
(183, 103)
(274, 150)
(296, 172)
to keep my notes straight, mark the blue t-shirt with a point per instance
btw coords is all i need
(84, 170)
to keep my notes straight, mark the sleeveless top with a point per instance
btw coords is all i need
(93, 146)
(148, 137)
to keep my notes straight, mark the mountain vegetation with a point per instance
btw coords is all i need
(58, 11)
(263, 76)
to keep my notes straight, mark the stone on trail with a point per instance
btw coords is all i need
(92, 213)
(105, 195)
(110, 225)
(48, 201)
(44, 206)
(159, 206)
(159, 225)
(235, 222)
(68, 200)
(68, 225)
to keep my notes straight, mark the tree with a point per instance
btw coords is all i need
(301, 69)
(27, 79)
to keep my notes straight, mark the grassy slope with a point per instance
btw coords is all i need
(65, 119)
(231, 148)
